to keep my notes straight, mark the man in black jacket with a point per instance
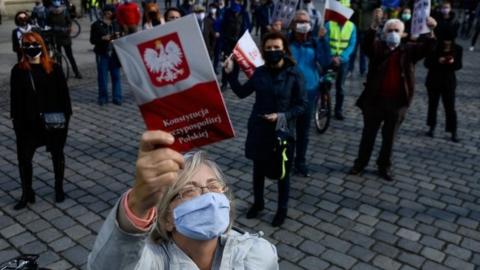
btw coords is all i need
(101, 35)
(389, 88)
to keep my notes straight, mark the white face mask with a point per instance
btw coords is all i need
(213, 10)
(200, 16)
(393, 39)
(303, 28)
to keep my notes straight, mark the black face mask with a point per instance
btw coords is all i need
(33, 51)
(152, 15)
(273, 57)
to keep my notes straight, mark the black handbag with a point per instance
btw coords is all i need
(278, 164)
(51, 120)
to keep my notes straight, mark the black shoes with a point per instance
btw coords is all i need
(116, 102)
(253, 211)
(356, 171)
(302, 170)
(386, 174)
(339, 116)
(27, 197)
(78, 76)
(279, 218)
(455, 138)
(430, 133)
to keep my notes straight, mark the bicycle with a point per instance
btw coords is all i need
(55, 52)
(22, 262)
(323, 102)
(75, 29)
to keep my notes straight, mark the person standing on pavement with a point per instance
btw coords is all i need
(151, 16)
(23, 26)
(39, 14)
(279, 96)
(37, 87)
(211, 32)
(441, 83)
(234, 23)
(342, 40)
(389, 88)
(477, 29)
(311, 54)
(448, 25)
(102, 33)
(128, 16)
(59, 20)
(264, 16)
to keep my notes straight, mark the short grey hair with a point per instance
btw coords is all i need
(394, 21)
(193, 161)
(301, 12)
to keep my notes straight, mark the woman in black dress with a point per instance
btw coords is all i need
(279, 94)
(38, 89)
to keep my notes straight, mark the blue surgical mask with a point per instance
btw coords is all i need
(393, 39)
(204, 217)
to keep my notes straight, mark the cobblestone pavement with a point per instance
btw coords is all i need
(427, 219)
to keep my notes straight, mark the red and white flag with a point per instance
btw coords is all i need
(335, 11)
(247, 55)
(174, 83)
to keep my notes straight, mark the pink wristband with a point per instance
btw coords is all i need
(139, 223)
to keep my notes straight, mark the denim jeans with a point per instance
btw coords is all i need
(106, 63)
(340, 86)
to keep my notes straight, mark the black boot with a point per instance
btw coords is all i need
(59, 171)
(279, 217)
(430, 132)
(28, 196)
(454, 137)
(254, 210)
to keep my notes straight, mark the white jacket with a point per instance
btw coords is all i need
(116, 249)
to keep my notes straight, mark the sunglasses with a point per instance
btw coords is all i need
(31, 44)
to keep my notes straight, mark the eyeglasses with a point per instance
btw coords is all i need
(193, 190)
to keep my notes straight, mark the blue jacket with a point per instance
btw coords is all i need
(309, 55)
(345, 56)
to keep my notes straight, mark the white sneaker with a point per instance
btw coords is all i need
(471, 48)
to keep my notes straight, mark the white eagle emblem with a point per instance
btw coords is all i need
(164, 61)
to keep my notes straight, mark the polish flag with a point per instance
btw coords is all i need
(335, 11)
(247, 55)
(174, 84)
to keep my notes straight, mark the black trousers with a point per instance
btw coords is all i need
(69, 54)
(259, 184)
(26, 147)
(448, 100)
(391, 116)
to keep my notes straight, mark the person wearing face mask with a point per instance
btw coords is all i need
(441, 82)
(279, 96)
(199, 12)
(151, 16)
(342, 39)
(389, 88)
(406, 17)
(22, 21)
(37, 87)
(178, 215)
(60, 22)
(313, 13)
(311, 54)
(187, 6)
(447, 22)
(211, 32)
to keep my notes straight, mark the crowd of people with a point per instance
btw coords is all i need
(181, 202)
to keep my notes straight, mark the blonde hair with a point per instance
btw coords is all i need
(193, 162)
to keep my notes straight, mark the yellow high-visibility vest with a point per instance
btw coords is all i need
(340, 37)
(345, 2)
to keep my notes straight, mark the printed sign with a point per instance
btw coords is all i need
(284, 11)
(167, 69)
(421, 12)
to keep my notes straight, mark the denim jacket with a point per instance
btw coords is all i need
(117, 249)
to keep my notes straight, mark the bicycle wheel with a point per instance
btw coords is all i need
(65, 66)
(76, 29)
(323, 112)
